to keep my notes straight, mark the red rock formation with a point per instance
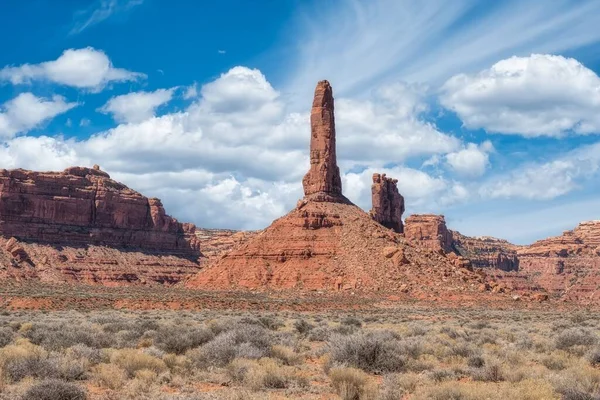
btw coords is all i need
(388, 203)
(428, 230)
(487, 252)
(323, 182)
(81, 226)
(217, 242)
(328, 243)
(566, 265)
(83, 206)
(91, 264)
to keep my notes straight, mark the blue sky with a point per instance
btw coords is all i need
(487, 112)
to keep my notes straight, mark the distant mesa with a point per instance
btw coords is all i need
(81, 226)
(84, 206)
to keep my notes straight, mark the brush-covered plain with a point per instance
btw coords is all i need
(404, 353)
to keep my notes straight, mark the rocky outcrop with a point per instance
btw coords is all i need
(80, 226)
(91, 264)
(566, 265)
(82, 206)
(388, 203)
(217, 242)
(328, 244)
(322, 182)
(429, 231)
(486, 252)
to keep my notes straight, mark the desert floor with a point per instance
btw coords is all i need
(411, 351)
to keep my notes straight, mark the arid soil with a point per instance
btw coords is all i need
(409, 353)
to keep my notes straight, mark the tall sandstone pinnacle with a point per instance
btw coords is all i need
(328, 243)
(323, 182)
(388, 203)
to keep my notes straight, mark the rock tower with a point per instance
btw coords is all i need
(322, 182)
(388, 203)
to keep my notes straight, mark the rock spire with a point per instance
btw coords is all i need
(388, 203)
(322, 182)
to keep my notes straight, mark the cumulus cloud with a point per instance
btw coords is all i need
(26, 112)
(539, 95)
(85, 68)
(235, 156)
(548, 180)
(388, 127)
(472, 160)
(138, 106)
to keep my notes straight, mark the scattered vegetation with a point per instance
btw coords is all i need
(412, 353)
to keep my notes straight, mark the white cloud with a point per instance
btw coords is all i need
(422, 192)
(191, 92)
(100, 11)
(426, 41)
(26, 112)
(540, 95)
(136, 107)
(388, 128)
(472, 160)
(85, 68)
(235, 157)
(544, 181)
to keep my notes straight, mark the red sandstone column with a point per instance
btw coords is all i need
(324, 174)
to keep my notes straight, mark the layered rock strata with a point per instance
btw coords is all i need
(80, 226)
(487, 252)
(568, 265)
(429, 231)
(388, 203)
(217, 242)
(82, 206)
(328, 244)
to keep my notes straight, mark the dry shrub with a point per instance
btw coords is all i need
(396, 386)
(145, 375)
(265, 373)
(54, 389)
(177, 364)
(287, 355)
(556, 361)
(238, 341)
(526, 390)
(377, 352)
(109, 376)
(574, 337)
(578, 382)
(352, 384)
(178, 340)
(132, 361)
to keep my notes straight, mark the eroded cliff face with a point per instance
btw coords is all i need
(218, 242)
(81, 226)
(429, 231)
(486, 252)
(81, 206)
(388, 203)
(568, 265)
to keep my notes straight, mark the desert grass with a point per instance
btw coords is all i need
(405, 353)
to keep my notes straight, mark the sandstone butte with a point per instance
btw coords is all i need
(327, 243)
(81, 226)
